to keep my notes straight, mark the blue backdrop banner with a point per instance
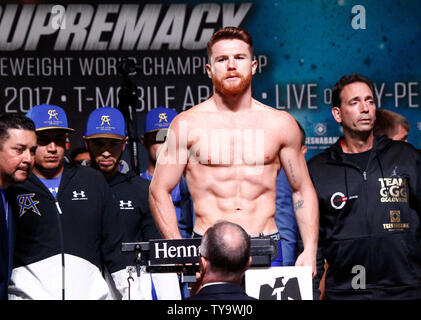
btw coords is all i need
(66, 53)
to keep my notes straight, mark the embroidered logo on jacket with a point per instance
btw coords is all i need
(126, 205)
(79, 195)
(338, 200)
(26, 202)
(395, 222)
(393, 190)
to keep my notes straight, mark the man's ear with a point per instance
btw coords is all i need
(249, 262)
(209, 70)
(124, 143)
(254, 65)
(85, 142)
(336, 113)
(204, 264)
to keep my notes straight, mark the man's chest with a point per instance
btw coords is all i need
(252, 145)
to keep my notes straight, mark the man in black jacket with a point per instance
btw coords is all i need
(224, 258)
(17, 152)
(106, 139)
(369, 198)
(67, 225)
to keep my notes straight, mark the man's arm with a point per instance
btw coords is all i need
(303, 193)
(170, 166)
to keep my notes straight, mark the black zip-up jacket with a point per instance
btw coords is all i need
(131, 193)
(81, 228)
(370, 222)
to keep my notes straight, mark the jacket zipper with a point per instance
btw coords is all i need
(60, 229)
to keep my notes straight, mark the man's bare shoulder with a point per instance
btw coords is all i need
(273, 114)
(196, 112)
(205, 106)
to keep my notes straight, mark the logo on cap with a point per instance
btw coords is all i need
(52, 113)
(163, 116)
(105, 119)
(99, 124)
(48, 116)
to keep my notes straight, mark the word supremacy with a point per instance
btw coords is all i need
(115, 26)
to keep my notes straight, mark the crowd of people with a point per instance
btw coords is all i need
(227, 170)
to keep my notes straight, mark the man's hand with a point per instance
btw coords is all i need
(307, 258)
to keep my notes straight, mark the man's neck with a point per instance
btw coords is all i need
(48, 173)
(109, 175)
(210, 278)
(236, 102)
(357, 143)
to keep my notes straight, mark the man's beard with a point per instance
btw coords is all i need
(232, 89)
(94, 164)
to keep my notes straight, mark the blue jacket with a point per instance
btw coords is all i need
(285, 219)
(7, 239)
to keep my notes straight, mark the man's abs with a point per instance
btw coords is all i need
(255, 216)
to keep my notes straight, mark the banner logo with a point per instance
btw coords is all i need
(289, 291)
(320, 129)
(174, 251)
(126, 26)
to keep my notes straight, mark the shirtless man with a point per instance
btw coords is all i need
(230, 149)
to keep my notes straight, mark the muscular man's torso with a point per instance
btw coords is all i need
(232, 166)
